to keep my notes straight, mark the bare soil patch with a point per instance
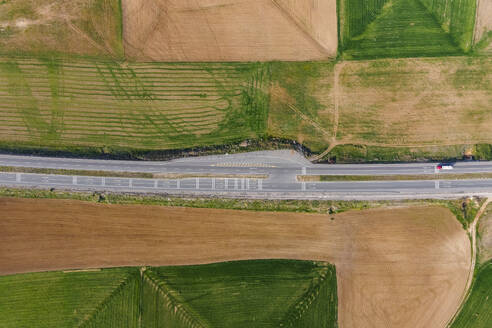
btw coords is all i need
(85, 27)
(229, 30)
(399, 267)
(483, 23)
(416, 102)
(485, 236)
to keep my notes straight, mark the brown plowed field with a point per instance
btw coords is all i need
(399, 267)
(229, 30)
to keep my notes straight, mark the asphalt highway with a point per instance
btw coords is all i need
(281, 167)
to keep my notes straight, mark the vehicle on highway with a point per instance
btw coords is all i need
(444, 166)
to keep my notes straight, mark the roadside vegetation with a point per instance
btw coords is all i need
(464, 209)
(306, 206)
(447, 176)
(232, 294)
(127, 174)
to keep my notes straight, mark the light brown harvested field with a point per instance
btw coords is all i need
(483, 22)
(485, 236)
(408, 102)
(229, 30)
(416, 102)
(85, 27)
(403, 267)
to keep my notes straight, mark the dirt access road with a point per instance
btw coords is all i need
(398, 267)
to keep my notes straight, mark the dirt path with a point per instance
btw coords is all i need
(397, 267)
(336, 114)
(472, 231)
(275, 92)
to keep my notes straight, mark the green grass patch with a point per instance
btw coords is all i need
(403, 28)
(122, 174)
(57, 299)
(356, 15)
(377, 154)
(267, 293)
(298, 110)
(457, 17)
(477, 311)
(300, 206)
(114, 107)
(403, 177)
(484, 46)
(126, 174)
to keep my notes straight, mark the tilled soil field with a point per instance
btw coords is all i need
(229, 30)
(398, 267)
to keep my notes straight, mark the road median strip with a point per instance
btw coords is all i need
(415, 177)
(126, 174)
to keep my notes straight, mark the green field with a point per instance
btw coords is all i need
(77, 299)
(355, 15)
(405, 28)
(457, 17)
(111, 106)
(265, 293)
(477, 311)
(302, 104)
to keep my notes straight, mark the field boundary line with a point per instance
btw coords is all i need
(181, 309)
(300, 27)
(472, 231)
(88, 38)
(303, 303)
(336, 113)
(106, 300)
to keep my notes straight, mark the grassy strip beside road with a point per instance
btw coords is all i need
(90, 173)
(464, 209)
(125, 174)
(403, 177)
(231, 294)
